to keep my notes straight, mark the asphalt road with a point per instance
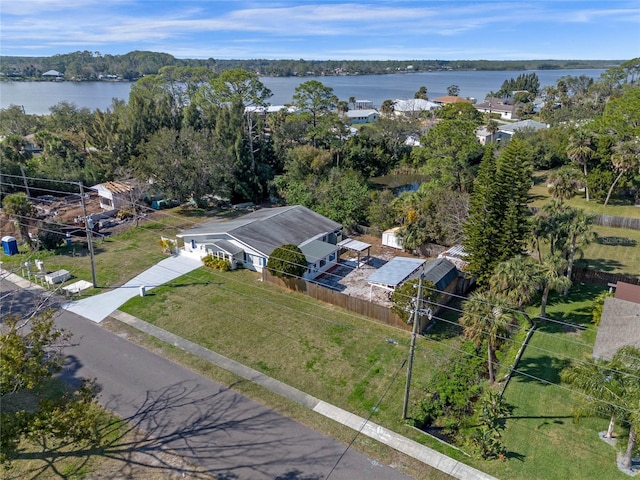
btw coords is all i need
(204, 422)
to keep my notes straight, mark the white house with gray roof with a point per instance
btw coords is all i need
(249, 240)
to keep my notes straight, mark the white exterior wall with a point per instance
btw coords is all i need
(391, 239)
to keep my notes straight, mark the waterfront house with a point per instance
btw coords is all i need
(505, 107)
(249, 240)
(362, 116)
(447, 99)
(413, 106)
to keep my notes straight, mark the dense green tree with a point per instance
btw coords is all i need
(314, 97)
(344, 197)
(453, 90)
(448, 151)
(50, 235)
(460, 111)
(287, 261)
(185, 164)
(19, 208)
(421, 93)
(13, 149)
(405, 298)
(31, 353)
(497, 227)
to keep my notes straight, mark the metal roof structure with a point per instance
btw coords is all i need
(394, 272)
(356, 246)
(317, 249)
(441, 272)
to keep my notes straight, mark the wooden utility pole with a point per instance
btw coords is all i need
(416, 311)
(89, 233)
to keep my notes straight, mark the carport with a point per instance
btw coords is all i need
(393, 273)
(356, 246)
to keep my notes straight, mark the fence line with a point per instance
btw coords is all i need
(614, 221)
(587, 275)
(353, 304)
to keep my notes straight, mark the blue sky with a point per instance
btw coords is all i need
(326, 29)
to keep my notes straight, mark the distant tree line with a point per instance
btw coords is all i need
(87, 65)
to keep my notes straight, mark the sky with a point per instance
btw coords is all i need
(326, 29)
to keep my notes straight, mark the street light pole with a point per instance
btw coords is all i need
(89, 233)
(414, 334)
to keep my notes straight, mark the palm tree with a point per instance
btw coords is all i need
(581, 233)
(626, 364)
(564, 182)
(387, 107)
(352, 101)
(486, 317)
(492, 127)
(517, 279)
(580, 151)
(551, 278)
(593, 378)
(626, 157)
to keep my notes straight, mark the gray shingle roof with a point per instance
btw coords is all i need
(269, 228)
(619, 327)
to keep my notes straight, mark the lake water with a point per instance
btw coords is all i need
(38, 97)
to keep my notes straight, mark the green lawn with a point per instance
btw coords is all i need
(542, 438)
(617, 207)
(118, 258)
(349, 361)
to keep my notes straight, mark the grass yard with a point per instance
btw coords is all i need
(118, 258)
(542, 437)
(615, 250)
(617, 207)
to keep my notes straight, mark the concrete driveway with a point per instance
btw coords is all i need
(99, 307)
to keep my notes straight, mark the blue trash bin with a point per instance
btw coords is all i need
(9, 245)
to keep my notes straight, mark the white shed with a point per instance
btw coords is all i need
(391, 238)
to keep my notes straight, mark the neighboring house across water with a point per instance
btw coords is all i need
(115, 195)
(620, 322)
(53, 74)
(250, 239)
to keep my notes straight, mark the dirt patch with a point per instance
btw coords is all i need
(351, 279)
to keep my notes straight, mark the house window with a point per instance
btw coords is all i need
(332, 257)
(323, 262)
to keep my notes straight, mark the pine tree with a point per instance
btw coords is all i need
(497, 225)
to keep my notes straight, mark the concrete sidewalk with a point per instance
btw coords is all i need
(99, 307)
(379, 433)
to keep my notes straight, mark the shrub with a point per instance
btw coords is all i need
(287, 261)
(598, 305)
(217, 263)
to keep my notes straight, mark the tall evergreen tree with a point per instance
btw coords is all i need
(497, 225)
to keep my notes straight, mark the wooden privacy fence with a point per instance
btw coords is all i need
(353, 304)
(586, 275)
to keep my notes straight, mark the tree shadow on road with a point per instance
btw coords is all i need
(185, 429)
